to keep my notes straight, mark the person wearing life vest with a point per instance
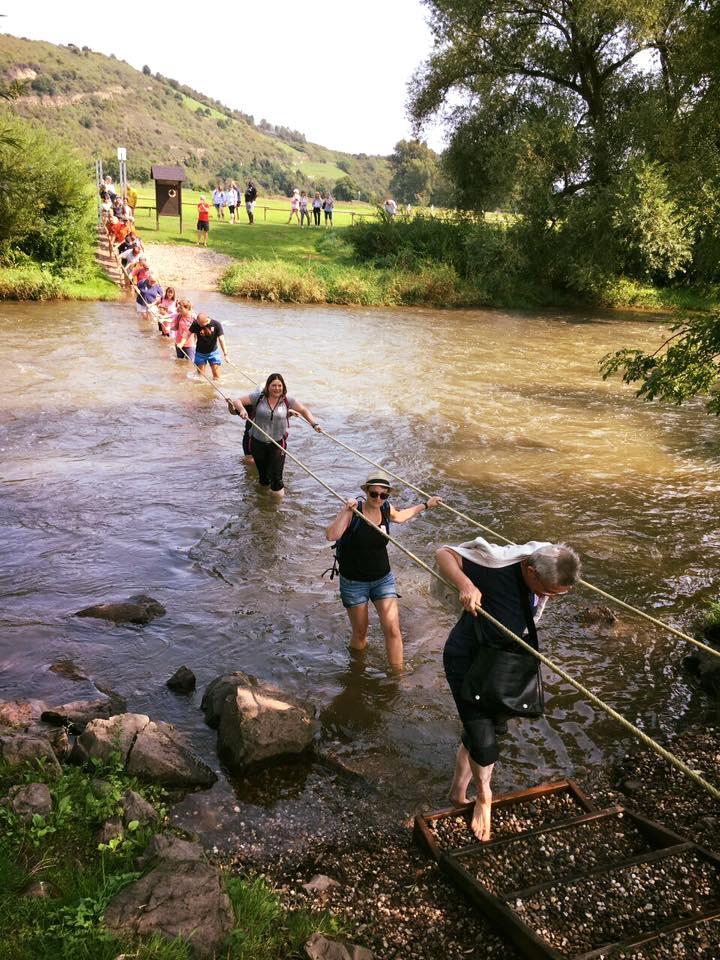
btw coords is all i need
(361, 553)
(272, 410)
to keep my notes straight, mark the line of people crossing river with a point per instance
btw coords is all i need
(512, 583)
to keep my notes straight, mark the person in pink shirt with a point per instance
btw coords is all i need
(167, 308)
(180, 331)
(295, 206)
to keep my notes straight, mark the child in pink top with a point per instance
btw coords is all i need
(167, 309)
(180, 330)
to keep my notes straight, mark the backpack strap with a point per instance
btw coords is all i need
(355, 522)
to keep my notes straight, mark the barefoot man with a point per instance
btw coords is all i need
(494, 578)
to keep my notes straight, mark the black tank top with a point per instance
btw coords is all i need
(363, 554)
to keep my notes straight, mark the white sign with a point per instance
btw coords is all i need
(122, 153)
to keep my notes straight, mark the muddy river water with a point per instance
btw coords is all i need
(121, 474)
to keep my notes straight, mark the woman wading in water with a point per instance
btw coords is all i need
(272, 410)
(362, 557)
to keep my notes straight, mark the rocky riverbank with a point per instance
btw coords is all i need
(89, 801)
(401, 905)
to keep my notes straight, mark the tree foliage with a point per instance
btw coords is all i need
(598, 122)
(686, 365)
(417, 176)
(45, 209)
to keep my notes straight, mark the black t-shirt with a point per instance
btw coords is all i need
(501, 598)
(207, 336)
(362, 554)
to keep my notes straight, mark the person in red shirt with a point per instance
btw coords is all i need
(203, 223)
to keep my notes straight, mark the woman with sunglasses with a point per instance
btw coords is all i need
(365, 573)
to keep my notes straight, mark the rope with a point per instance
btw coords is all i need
(499, 536)
(606, 708)
(476, 523)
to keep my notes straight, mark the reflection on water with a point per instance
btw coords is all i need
(121, 475)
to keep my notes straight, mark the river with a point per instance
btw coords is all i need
(121, 474)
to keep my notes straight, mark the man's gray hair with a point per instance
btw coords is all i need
(557, 565)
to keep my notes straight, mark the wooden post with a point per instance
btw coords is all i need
(264, 213)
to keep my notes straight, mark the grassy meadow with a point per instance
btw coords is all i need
(278, 261)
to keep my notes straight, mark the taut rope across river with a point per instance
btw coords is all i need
(602, 705)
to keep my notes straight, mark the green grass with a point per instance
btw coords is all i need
(34, 283)
(322, 170)
(63, 851)
(193, 105)
(279, 261)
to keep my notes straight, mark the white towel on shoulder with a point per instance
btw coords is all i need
(495, 555)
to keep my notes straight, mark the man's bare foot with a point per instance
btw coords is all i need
(480, 824)
(458, 798)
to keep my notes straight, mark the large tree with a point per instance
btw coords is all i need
(544, 98)
(416, 174)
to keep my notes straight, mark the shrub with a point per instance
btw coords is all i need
(273, 280)
(52, 222)
(29, 283)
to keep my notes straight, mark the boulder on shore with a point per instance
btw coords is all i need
(160, 755)
(175, 899)
(78, 714)
(257, 722)
(320, 947)
(136, 609)
(165, 846)
(136, 807)
(30, 799)
(19, 748)
(154, 752)
(19, 713)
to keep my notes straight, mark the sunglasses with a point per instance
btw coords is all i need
(376, 495)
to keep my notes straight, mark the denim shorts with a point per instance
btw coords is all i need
(355, 592)
(213, 358)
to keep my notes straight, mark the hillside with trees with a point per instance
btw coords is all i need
(96, 103)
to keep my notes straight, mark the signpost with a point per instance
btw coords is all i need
(122, 163)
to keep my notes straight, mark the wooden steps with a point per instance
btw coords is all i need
(565, 881)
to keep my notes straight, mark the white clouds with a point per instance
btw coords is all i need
(335, 69)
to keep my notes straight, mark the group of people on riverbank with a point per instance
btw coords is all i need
(229, 197)
(301, 204)
(511, 584)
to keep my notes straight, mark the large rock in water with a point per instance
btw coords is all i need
(136, 609)
(706, 670)
(175, 899)
(155, 752)
(217, 690)
(257, 722)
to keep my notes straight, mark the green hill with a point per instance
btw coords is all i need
(97, 103)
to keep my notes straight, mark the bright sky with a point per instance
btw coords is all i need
(337, 70)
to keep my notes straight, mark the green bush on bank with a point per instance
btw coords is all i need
(34, 283)
(45, 210)
(47, 234)
(430, 284)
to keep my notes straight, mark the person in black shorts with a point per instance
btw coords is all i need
(362, 557)
(493, 578)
